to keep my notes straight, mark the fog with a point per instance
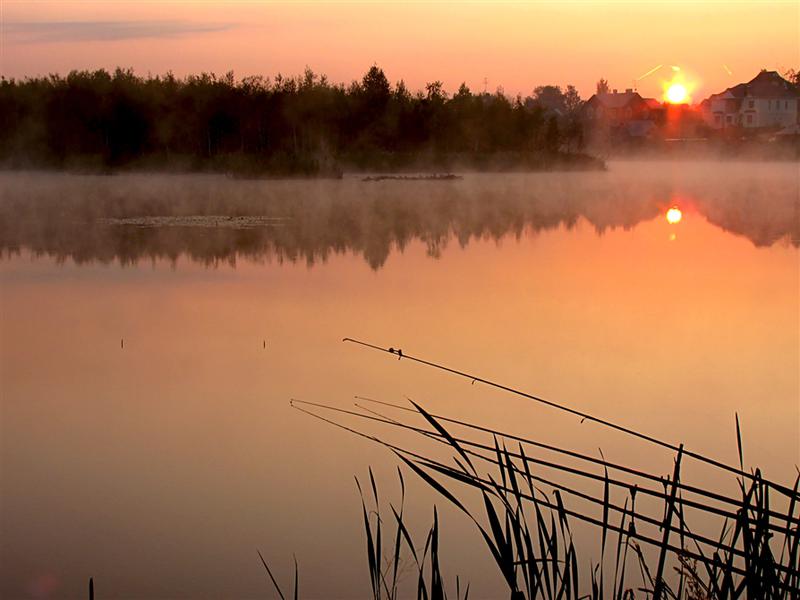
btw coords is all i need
(213, 219)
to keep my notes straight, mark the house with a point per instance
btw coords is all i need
(626, 111)
(766, 101)
(618, 108)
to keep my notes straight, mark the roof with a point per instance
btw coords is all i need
(616, 100)
(737, 91)
(767, 84)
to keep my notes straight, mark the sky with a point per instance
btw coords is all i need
(513, 45)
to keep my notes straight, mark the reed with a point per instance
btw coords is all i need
(527, 530)
(532, 493)
(274, 581)
(386, 572)
(631, 486)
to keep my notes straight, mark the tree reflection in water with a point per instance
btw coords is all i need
(213, 219)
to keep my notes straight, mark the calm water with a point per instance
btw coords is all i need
(161, 466)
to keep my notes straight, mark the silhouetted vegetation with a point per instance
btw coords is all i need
(534, 493)
(99, 121)
(793, 75)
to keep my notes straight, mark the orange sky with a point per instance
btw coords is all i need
(517, 45)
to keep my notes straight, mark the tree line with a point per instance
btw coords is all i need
(293, 125)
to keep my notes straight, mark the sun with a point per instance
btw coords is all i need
(677, 94)
(679, 88)
(674, 215)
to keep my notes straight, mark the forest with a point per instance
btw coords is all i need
(96, 121)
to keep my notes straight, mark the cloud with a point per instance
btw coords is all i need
(105, 31)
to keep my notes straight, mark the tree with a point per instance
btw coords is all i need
(549, 97)
(552, 136)
(572, 127)
(463, 92)
(301, 124)
(435, 91)
(572, 100)
(602, 86)
(401, 92)
(376, 86)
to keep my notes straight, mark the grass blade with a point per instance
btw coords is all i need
(271, 576)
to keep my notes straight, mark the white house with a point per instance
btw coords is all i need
(768, 100)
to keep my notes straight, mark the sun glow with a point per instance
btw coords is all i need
(678, 89)
(676, 94)
(674, 215)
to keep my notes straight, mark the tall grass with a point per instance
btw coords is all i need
(386, 572)
(526, 522)
(529, 505)
(649, 550)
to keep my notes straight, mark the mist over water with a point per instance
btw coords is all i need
(214, 219)
(158, 466)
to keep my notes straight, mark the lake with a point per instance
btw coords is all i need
(155, 328)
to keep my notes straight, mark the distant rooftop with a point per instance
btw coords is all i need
(617, 99)
(767, 84)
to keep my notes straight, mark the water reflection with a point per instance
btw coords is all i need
(160, 465)
(674, 215)
(213, 219)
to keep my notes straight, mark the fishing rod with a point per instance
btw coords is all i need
(585, 457)
(632, 488)
(489, 484)
(683, 526)
(583, 415)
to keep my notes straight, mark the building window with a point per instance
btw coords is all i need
(718, 119)
(786, 104)
(749, 119)
(729, 118)
(769, 104)
(751, 103)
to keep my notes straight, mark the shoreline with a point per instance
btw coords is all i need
(244, 166)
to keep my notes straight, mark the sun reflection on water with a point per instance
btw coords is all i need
(674, 215)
